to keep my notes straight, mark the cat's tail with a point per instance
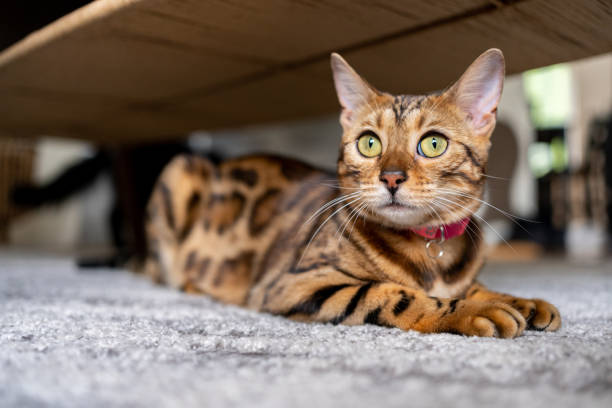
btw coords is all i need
(72, 180)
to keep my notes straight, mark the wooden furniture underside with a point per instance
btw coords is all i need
(126, 71)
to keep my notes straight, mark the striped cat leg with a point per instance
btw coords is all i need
(539, 314)
(352, 302)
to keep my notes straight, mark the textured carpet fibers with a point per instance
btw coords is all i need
(75, 338)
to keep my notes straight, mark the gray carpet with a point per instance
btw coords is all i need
(75, 338)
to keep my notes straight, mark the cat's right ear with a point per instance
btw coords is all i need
(478, 91)
(353, 91)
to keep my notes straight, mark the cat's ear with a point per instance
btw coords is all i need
(478, 91)
(353, 91)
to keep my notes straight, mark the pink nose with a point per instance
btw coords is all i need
(393, 178)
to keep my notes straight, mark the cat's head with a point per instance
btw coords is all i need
(414, 161)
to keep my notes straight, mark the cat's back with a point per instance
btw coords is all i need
(252, 196)
(215, 224)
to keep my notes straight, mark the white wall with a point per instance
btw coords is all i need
(592, 80)
(513, 110)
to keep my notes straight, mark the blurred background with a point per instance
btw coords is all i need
(550, 167)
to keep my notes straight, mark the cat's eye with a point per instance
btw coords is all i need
(369, 145)
(432, 145)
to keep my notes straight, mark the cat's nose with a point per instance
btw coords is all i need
(393, 179)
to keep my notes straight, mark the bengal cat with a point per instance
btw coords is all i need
(393, 240)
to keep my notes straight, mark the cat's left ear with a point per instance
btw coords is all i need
(478, 91)
(353, 91)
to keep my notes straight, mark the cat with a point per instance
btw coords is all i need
(392, 241)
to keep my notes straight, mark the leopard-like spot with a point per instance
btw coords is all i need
(224, 211)
(246, 176)
(190, 261)
(191, 212)
(294, 170)
(167, 200)
(236, 270)
(264, 210)
(202, 268)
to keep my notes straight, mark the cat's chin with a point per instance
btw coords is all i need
(400, 216)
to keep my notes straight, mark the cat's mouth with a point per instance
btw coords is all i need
(395, 205)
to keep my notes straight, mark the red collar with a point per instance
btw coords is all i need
(450, 230)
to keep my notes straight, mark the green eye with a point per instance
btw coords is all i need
(432, 146)
(369, 145)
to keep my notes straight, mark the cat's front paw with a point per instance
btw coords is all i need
(539, 314)
(486, 319)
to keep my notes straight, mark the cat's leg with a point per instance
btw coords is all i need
(173, 209)
(330, 298)
(539, 314)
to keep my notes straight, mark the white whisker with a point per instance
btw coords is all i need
(495, 177)
(468, 227)
(331, 203)
(353, 215)
(365, 208)
(482, 219)
(511, 217)
(321, 226)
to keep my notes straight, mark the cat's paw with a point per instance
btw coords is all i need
(546, 317)
(487, 319)
(539, 314)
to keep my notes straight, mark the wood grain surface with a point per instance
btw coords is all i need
(124, 71)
